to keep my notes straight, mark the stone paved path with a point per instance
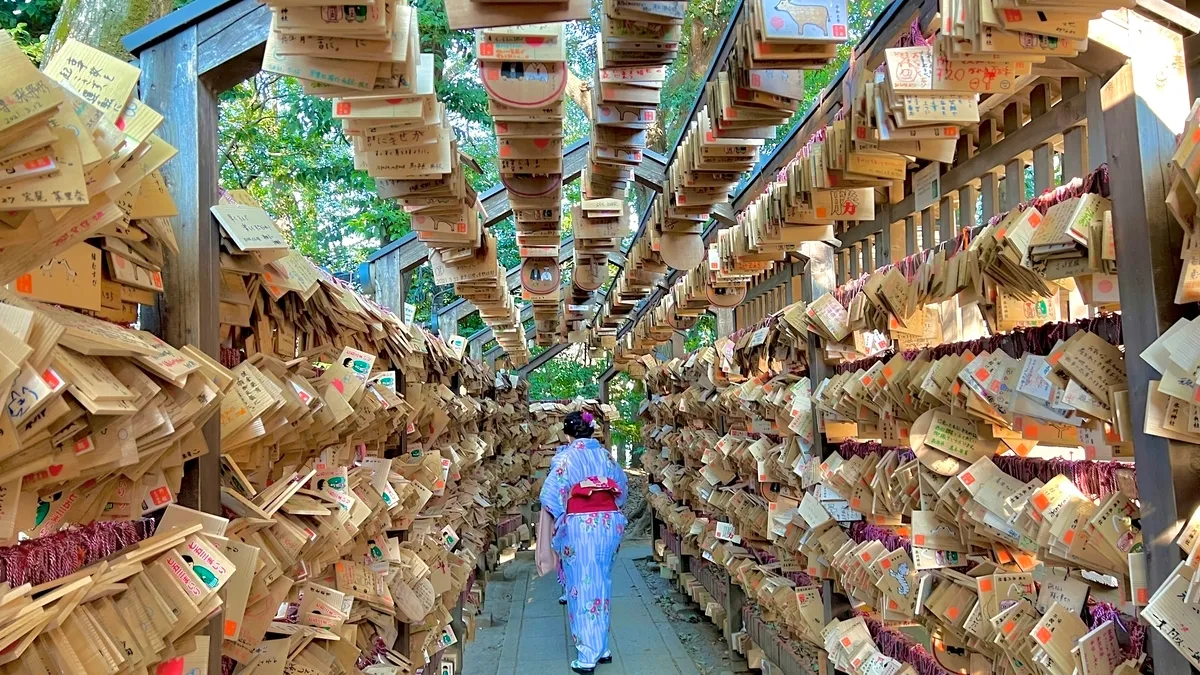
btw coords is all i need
(534, 637)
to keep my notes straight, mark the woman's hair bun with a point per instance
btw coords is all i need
(578, 426)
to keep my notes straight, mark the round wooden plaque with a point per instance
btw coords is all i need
(540, 276)
(524, 84)
(724, 298)
(531, 186)
(681, 251)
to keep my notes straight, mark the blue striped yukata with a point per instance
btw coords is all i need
(586, 543)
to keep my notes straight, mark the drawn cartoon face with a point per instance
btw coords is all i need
(19, 403)
(900, 573)
(355, 13)
(43, 508)
(201, 571)
(538, 71)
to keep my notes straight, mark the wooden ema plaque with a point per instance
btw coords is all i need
(524, 84)
(531, 186)
(540, 276)
(725, 298)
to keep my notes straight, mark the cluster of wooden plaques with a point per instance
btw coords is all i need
(638, 40)
(760, 87)
(83, 206)
(316, 388)
(368, 62)
(930, 526)
(548, 435)
(524, 72)
(916, 106)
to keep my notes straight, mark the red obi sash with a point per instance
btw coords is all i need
(593, 495)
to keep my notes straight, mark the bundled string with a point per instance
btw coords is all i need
(865, 363)
(902, 648)
(1093, 478)
(45, 559)
(765, 557)
(863, 532)
(378, 647)
(1097, 479)
(800, 651)
(671, 540)
(852, 448)
(765, 323)
(1095, 182)
(910, 265)
(1135, 630)
(1038, 340)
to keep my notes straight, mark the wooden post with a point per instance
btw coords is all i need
(883, 244)
(910, 235)
(1097, 139)
(726, 323)
(1043, 155)
(927, 237)
(1075, 139)
(989, 188)
(945, 219)
(1144, 105)
(818, 280)
(1014, 170)
(855, 258)
(189, 308)
(967, 194)
(966, 207)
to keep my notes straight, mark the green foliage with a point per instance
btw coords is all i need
(286, 150)
(627, 394)
(28, 22)
(703, 334)
(569, 374)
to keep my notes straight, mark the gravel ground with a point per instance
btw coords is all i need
(704, 642)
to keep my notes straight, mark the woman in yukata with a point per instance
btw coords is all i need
(584, 493)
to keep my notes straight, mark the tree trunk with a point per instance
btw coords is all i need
(580, 92)
(696, 61)
(102, 23)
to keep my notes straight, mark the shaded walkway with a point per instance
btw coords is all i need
(531, 636)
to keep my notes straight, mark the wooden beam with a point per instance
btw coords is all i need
(159, 31)
(1065, 114)
(724, 47)
(652, 172)
(232, 32)
(1144, 106)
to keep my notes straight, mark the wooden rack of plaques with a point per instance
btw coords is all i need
(210, 412)
(1060, 122)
